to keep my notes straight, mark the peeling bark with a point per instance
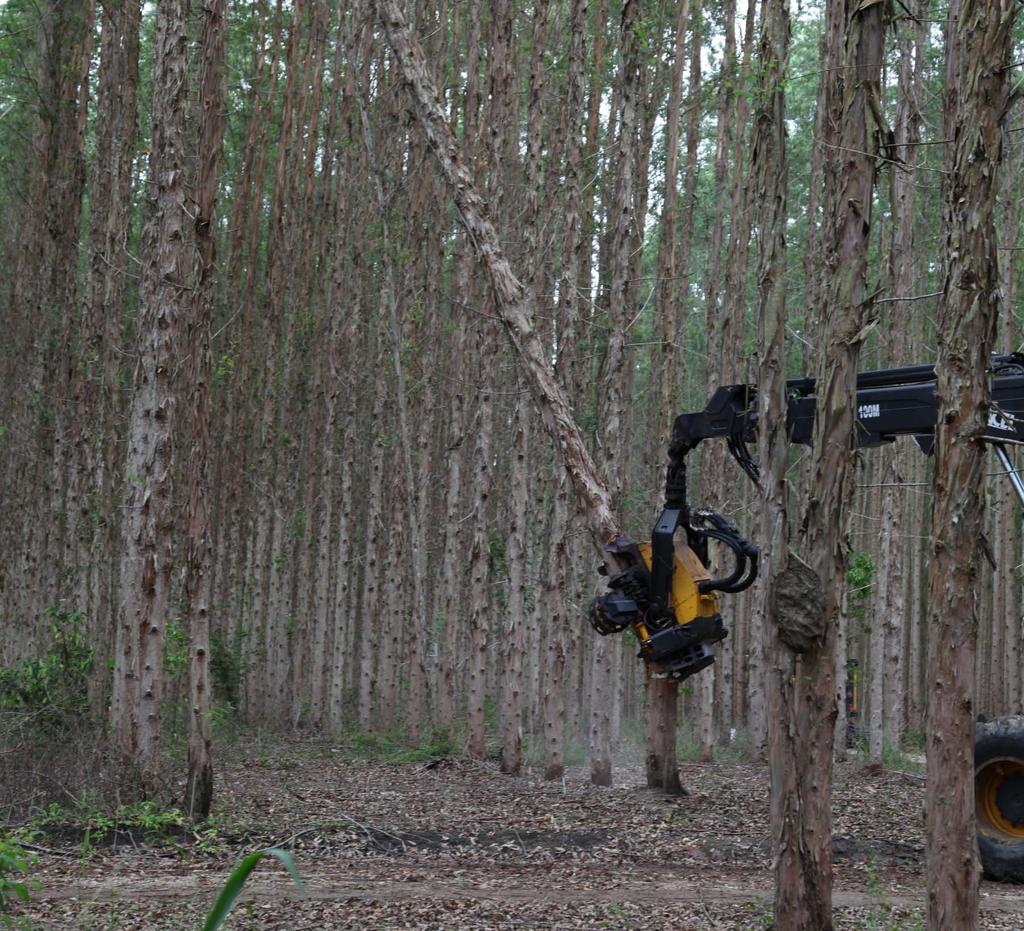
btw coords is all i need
(979, 42)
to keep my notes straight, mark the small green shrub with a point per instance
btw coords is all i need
(154, 822)
(893, 757)
(175, 648)
(54, 687)
(15, 862)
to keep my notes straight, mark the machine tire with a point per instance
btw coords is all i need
(999, 797)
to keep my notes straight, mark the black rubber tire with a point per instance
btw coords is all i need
(1001, 742)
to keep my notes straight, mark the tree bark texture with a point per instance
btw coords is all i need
(199, 565)
(803, 896)
(149, 516)
(969, 310)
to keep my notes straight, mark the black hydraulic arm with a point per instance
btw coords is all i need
(890, 403)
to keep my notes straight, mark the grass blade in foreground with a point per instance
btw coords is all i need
(233, 887)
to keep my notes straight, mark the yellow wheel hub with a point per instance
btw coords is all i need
(999, 799)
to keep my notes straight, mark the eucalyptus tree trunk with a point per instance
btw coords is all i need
(149, 514)
(662, 693)
(386, 636)
(199, 563)
(892, 619)
(237, 529)
(44, 300)
(371, 631)
(66, 52)
(499, 113)
(577, 647)
(270, 546)
(513, 640)
(389, 313)
(694, 113)
(479, 555)
(718, 325)
(1007, 579)
(104, 299)
(733, 661)
(770, 180)
(459, 451)
(812, 239)
(740, 205)
(897, 612)
(450, 598)
(804, 685)
(980, 38)
(327, 627)
(344, 666)
(876, 617)
(324, 622)
(285, 628)
(574, 256)
(615, 372)
(554, 643)
(916, 647)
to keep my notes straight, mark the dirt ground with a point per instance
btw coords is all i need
(455, 844)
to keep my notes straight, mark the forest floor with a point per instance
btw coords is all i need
(451, 843)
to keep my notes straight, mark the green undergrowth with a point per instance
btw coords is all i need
(15, 883)
(396, 746)
(52, 688)
(729, 747)
(882, 915)
(906, 758)
(87, 826)
(90, 823)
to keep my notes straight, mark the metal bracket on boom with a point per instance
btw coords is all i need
(1011, 472)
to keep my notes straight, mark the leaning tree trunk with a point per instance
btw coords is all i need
(981, 43)
(512, 302)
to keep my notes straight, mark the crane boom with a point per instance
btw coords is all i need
(890, 403)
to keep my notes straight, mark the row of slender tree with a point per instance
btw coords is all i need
(271, 384)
